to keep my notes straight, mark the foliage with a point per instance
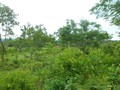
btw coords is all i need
(81, 57)
(82, 34)
(60, 68)
(108, 9)
(7, 19)
(17, 80)
(36, 36)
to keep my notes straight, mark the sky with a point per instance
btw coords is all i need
(53, 13)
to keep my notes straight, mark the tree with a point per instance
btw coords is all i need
(3, 48)
(82, 34)
(109, 10)
(7, 22)
(35, 37)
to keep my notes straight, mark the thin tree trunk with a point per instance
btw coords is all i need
(5, 35)
(3, 48)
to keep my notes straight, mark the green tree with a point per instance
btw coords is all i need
(7, 22)
(35, 37)
(109, 10)
(82, 34)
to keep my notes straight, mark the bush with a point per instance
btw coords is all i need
(17, 80)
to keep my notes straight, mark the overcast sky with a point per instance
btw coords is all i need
(53, 13)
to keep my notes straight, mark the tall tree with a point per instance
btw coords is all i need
(35, 37)
(109, 10)
(82, 34)
(7, 22)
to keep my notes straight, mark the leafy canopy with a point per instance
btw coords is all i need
(7, 19)
(35, 35)
(82, 34)
(109, 10)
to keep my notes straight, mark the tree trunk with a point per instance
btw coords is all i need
(5, 35)
(3, 48)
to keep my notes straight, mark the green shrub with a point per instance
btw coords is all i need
(17, 80)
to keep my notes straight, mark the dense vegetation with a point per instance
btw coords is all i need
(79, 56)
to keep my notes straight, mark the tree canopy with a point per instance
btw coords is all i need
(109, 10)
(8, 19)
(82, 34)
(35, 35)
